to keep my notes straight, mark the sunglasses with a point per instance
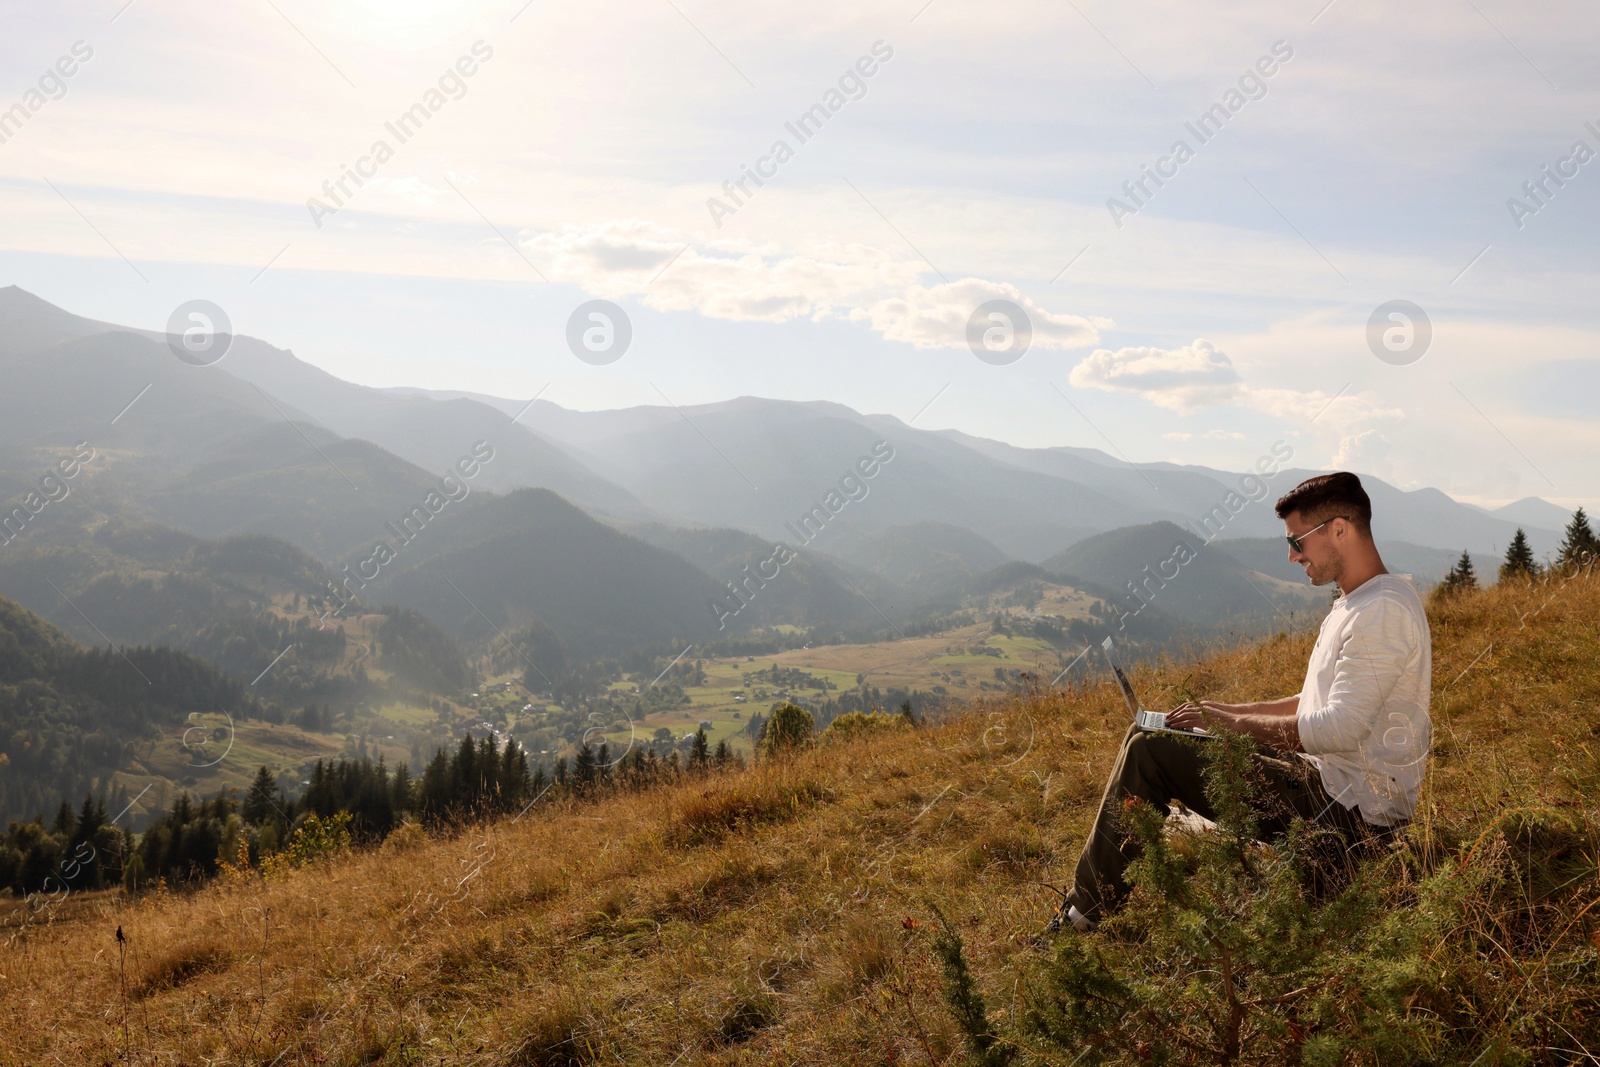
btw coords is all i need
(1295, 539)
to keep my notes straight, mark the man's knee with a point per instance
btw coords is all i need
(1141, 759)
(1146, 749)
(1161, 762)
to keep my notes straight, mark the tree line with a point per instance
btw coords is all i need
(1579, 547)
(196, 839)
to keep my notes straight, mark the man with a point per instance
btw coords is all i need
(1349, 748)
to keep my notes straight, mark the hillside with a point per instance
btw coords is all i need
(930, 557)
(71, 717)
(811, 591)
(1177, 572)
(532, 556)
(780, 914)
(146, 584)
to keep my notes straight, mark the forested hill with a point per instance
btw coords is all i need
(68, 714)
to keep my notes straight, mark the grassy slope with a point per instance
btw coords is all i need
(754, 917)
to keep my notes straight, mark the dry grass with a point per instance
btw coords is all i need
(766, 916)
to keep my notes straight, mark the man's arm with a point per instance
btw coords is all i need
(1271, 722)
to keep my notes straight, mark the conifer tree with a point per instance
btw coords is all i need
(1579, 546)
(90, 819)
(1462, 577)
(513, 774)
(437, 788)
(65, 821)
(465, 774)
(583, 769)
(1519, 561)
(400, 790)
(258, 801)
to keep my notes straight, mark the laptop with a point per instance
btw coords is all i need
(1145, 720)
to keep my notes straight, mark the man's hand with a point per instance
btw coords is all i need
(1207, 714)
(1270, 722)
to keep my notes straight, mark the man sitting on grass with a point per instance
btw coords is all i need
(1350, 747)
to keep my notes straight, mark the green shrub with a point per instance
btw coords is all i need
(788, 730)
(854, 724)
(314, 840)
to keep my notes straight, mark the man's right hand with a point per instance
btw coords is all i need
(1207, 714)
(1270, 723)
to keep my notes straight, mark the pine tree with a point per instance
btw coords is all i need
(513, 775)
(1579, 546)
(65, 821)
(464, 773)
(1519, 562)
(1462, 577)
(699, 754)
(258, 801)
(583, 768)
(401, 790)
(89, 820)
(437, 789)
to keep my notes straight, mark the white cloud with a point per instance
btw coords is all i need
(1366, 452)
(740, 281)
(1199, 375)
(1341, 413)
(936, 316)
(1180, 379)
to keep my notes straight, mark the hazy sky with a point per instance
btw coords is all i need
(1367, 153)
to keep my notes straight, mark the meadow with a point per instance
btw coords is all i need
(790, 911)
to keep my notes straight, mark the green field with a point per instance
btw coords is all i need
(949, 663)
(960, 663)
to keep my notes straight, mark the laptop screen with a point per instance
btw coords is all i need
(1122, 679)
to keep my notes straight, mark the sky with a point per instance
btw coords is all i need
(1200, 217)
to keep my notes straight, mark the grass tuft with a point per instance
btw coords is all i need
(175, 965)
(557, 1035)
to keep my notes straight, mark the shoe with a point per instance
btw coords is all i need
(1071, 917)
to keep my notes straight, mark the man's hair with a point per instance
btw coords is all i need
(1322, 498)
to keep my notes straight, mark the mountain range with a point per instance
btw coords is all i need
(620, 529)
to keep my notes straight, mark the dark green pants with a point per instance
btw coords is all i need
(1160, 768)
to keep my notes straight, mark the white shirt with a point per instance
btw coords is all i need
(1363, 714)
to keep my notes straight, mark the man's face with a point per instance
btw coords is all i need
(1319, 554)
